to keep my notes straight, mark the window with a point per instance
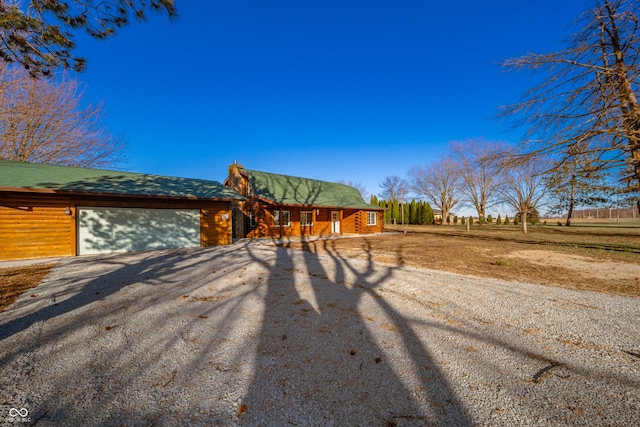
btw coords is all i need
(249, 189)
(286, 218)
(252, 219)
(372, 218)
(306, 218)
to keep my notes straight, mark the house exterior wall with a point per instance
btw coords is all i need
(351, 220)
(35, 228)
(35, 225)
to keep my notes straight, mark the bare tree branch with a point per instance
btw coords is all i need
(42, 121)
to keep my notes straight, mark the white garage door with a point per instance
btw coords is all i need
(104, 230)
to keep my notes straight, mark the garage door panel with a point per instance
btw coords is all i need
(105, 230)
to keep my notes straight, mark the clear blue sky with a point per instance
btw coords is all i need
(351, 90)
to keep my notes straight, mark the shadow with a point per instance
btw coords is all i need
(101, 182)
(130, 229)
(332, 351)
(289, 190)
(74, 296)
(252, 334)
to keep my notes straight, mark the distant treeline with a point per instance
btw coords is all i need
(415, 211)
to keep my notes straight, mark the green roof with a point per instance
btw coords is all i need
(292, 190)
(42, 177)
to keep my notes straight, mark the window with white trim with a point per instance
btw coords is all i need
(372, 218)
(286, 218)
(252, 219)
(306, 218)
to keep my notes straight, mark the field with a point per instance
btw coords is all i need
(602, 257)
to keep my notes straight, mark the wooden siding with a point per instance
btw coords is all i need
(30, 229)
(36, 225)
(215, 222)
(352, 222)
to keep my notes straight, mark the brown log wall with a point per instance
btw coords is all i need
(36, 226)
(352, 222)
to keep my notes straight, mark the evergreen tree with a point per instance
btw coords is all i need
(506, 220)
(413, 209)
(395, 211)
(39, 35)
(499, 220)
(428, 214)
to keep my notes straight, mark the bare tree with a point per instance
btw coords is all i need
(525, 187)
(587, 101)
(42, 121)
(39, 34)
(480, 170)
(358, 186)
(440, 183)
(577, 182)
(395, 188)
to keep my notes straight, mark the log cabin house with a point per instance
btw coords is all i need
(52, 211)
(284, 206)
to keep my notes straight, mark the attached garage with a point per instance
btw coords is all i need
(105, 230)
(50, 211)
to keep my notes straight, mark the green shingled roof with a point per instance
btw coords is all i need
(41, 177)
(292, 190)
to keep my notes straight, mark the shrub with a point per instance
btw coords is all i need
(516, 221)
(489, 219)
(470, 220)
(499, 220)
(463, 221)
(506, 220)
(455, 219)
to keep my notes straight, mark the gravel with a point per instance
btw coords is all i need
(251, 334)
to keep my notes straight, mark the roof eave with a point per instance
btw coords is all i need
(104, 194)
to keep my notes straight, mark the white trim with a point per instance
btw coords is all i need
(305, 223)
(286, 214)
(371, 214)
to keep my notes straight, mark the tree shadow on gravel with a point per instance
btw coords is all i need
(332, 351)
(95, 289)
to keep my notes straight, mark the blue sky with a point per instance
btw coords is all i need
(332, 90)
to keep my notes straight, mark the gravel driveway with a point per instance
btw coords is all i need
(251, 334)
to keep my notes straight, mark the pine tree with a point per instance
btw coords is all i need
(428, 214)
(413, 209)
(499, 220)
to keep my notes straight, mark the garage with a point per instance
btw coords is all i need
(106, 230)
(53, 211)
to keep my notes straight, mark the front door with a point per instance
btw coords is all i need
(335, 222)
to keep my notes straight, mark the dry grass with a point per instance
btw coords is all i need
(603, 259)
(17, 280)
